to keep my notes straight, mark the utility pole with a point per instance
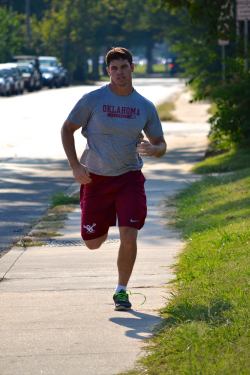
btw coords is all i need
(223, 29)
(243, 14)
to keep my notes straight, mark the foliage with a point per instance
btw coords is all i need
(11, 34)
(193, 31)
(233, 109)
(78, 30)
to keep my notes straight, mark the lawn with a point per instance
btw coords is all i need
(165, 110)
(206, 324)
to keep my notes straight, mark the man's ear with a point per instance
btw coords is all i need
(107, 68)
(132, 67)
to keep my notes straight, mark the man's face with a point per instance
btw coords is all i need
(120, 72)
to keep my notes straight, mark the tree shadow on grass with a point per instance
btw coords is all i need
(182, 313)
(143, 325)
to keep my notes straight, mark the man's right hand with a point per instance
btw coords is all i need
(81, 174)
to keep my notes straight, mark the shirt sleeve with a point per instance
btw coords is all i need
(153, 126)
(81, 112)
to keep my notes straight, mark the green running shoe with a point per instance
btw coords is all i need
(121, 301)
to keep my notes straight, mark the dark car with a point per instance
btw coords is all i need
(64, 76)
(50, 76)
(54, 74)
(33, 69)
(31, 77)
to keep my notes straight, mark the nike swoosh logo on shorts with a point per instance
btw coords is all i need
(133, 221)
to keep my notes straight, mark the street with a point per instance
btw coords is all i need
(33, 165)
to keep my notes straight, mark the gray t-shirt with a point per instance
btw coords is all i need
(112, 125)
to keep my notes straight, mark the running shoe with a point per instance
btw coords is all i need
(121, 301)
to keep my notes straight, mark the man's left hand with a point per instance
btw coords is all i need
(146, 148)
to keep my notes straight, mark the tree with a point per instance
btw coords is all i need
(11, 34)
(199, 25)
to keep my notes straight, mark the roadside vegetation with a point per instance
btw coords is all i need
(206, 324)
(62, 199)
(50, 224)
(165, 111)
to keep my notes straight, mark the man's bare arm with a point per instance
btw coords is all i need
(80, 172)
(156, 146)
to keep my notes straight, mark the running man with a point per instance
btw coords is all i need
(112, 119)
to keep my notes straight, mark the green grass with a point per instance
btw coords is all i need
(157, 68)
(206, 324)
(60, 199)
(235, 159)
(165, 111)
(49, 225)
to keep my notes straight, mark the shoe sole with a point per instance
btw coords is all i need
(122, 308)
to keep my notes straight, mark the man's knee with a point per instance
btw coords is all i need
(128, 236)
(96, 243)
(92, 245)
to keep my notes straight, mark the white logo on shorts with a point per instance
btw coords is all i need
(90, 228)
(133, 221)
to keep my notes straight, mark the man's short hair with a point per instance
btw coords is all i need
(117, 53)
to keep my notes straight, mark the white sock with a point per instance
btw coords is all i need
(120, 287)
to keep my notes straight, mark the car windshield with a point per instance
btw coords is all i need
(45, 69)
(46, 62)
(25, 68)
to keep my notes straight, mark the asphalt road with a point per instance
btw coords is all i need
(32, 160)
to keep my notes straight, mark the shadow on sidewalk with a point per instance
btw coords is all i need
(141, 326)
(26, 187)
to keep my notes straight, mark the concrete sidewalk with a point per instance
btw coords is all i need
(57, 314)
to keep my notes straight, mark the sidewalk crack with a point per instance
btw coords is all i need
(12, 265)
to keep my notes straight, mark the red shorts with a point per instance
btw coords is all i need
(107, 198)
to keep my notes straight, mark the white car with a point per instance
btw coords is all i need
(6, 81)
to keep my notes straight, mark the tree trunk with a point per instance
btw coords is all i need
(80, 73)
(149, 56)
(95, 66)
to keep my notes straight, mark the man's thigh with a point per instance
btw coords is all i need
(131, 204)
(97, 214)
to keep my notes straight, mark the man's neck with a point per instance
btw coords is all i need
(122, 91)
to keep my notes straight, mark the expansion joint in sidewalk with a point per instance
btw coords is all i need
(12, 265)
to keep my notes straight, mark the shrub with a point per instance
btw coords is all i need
(232, 117)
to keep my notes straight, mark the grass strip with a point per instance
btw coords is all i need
(206, 324)
(235, 159)
(165, 111)
(61, 199)
(49, 225)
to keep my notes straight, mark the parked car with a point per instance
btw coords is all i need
(53, 73)
(5, 85)
(31, 77)
(9, 79)
(64, 76)
(17, 75)
(30, 70)
(49, 77)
